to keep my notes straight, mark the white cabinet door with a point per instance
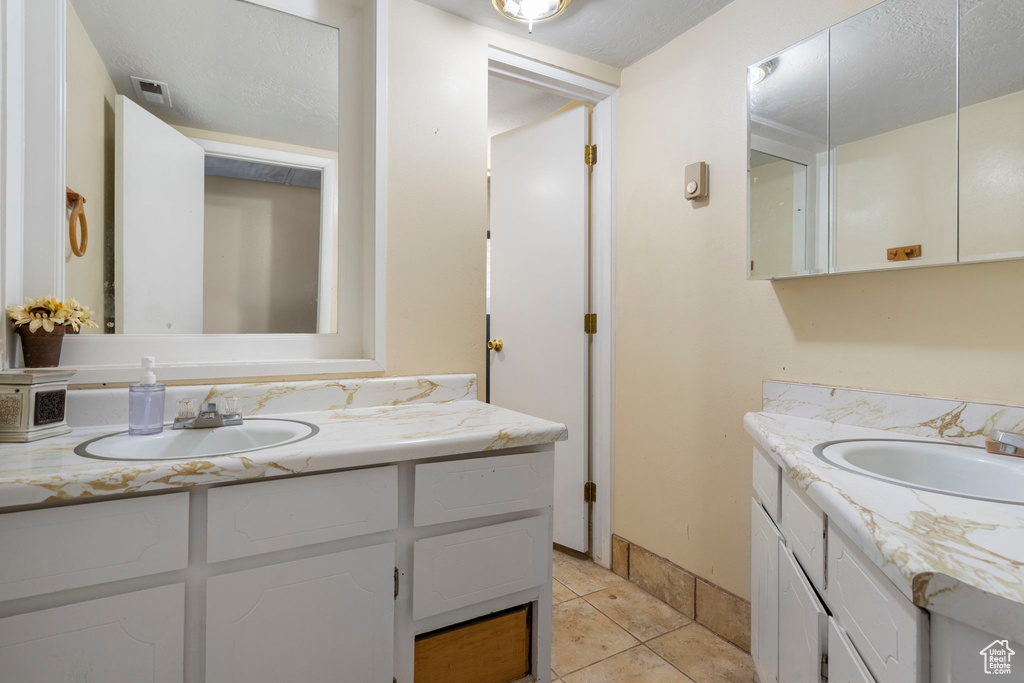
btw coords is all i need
(320, 620)
(131, 638)
(764, 594)
(844, 664)
(802, 624)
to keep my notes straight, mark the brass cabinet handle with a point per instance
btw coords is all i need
(495, 345)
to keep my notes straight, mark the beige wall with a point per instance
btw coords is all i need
(771, 218)
(90, 162)
(695, 338)
(261, 257)
(992, 178)
(437, 184)
(896, 189)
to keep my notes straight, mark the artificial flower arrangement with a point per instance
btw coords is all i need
(42, 324)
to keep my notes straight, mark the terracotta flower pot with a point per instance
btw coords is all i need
(41, 348)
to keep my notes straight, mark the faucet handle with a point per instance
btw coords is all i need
(230, 405)
(186, 408)
(208, 409)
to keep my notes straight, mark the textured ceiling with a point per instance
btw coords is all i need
(893, 66)
(511, 105)
(615, 32)
(230, 66)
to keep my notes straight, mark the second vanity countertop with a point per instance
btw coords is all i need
(49, 470)
(960, 557)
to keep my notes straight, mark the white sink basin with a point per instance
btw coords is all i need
(186, 444)
(966, 471)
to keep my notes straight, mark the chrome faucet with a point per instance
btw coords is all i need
(208, 416)
(1010, 443)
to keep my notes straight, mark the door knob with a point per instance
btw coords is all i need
(495, 345)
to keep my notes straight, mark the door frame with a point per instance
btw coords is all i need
(604, 97)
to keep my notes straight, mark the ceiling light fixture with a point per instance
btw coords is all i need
(529, 11)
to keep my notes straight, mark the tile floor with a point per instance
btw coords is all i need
(606, 630)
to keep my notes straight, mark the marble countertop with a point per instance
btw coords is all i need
(48, 470)
(960, 557)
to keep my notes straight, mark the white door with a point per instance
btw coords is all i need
(802, 624)
(764, 594)
(540, 199)
(319, 620)
(132, 638)
(159, 191)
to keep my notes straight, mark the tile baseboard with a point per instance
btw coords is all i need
(708, 604)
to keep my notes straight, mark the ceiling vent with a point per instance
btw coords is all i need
(148, 91)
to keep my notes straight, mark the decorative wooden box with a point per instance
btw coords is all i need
(32, 404)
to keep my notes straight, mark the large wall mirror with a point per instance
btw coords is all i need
(880, 160)
(229, 154)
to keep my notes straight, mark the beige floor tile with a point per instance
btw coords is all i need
(638, 665)
(637, 611)
(583, 576)
(703, 656)
(583, 636)
(559, 593)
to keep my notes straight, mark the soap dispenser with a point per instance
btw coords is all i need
(146, 402)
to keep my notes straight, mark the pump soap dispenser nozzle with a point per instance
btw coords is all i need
(148, 376)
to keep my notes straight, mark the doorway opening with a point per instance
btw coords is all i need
(550, 276)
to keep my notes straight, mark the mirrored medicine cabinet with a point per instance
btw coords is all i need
(894, 139)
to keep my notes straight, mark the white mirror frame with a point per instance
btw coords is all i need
(33, 193)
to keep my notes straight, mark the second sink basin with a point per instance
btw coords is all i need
(967, 471)
(184, 444)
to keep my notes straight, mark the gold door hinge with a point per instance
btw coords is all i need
(590, 492)
(590, 154)
(590, 323)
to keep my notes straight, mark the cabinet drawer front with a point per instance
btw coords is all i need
(764, 594)
(468, 567)
(326, 618)
(248, 519)
(464, 489)
(767, 481)
(803, 525)
(889, 632)
(49, 550)
(844, 664)
(130, 638)
(803, 624)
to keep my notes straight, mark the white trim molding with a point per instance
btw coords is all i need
(33, 187)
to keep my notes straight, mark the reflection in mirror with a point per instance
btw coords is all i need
(893, 133)
(788, 161)
(208, 166)
(991, 129)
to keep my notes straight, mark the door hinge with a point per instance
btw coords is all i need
(396, 583)
(824, 667)
(590, 323)
(590, 154)
(590, 492)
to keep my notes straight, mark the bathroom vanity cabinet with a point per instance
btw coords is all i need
(322, 577)
(823, 611)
